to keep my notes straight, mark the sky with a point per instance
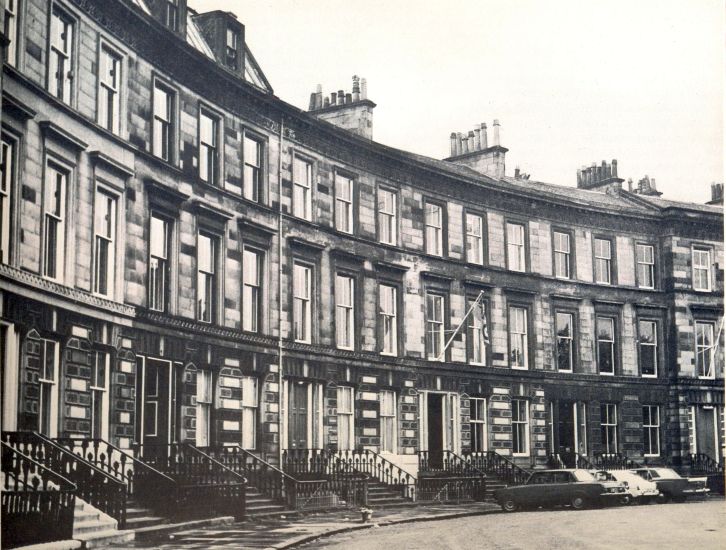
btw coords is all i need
(571, 82)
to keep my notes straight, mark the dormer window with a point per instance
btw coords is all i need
(232, 48)
(172, 14)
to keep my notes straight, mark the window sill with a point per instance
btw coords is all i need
(519, 368)
(606, 373)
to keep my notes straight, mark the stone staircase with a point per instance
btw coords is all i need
(381, 495)
(257, 504)
(95, 529)
(138, 517)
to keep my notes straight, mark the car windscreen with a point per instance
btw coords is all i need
(583, 475)
(666, 473)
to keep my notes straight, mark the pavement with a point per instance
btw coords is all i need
(695, 524)
(287, 532)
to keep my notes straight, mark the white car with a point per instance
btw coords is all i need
(640, 490)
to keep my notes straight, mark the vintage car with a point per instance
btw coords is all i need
(638, 489)
(575, 487)
(672, 486)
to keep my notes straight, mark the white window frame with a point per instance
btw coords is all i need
(253, 167)
(12, 9)
(162, 143)
(388, 414)
(435, 326)
(50, 385)
(388, 317)
(100, 391)
(387, 216)
(302, 302)
(105, 237)
(55, 218)
(479, 405)
(346, 417)
(250, 403)
(159, 264)
(701, 260)
(652, 426)
(562, 246)
(344, 311)
(7, 195)
(205, 398)
(344, 197)
(171, 14)
(570, 339)
(109, 88)
(209, 142)
(474, 224)
(603, 260)
(252, 267)
(434, 226)
(10, 352)
(517, 420)
(61, 55)
(645, 265)
(518, 333)
(607, 423)
(612, 342)
(703, 351)
(207, 279)
(516, 247)
(302, 202)
(653, 344)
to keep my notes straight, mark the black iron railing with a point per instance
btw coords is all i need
(613, 461)
(447, 462)
(450, 489)
(377, 467)
(205, 485)
(37, 503)
(148, 486)
(569, 459)
(494, 464)
(701, 463)
(306, 463)
(95, 486)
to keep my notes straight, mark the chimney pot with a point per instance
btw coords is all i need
(311, 106)
(341, 97)
(495, 136)
(326, 103)
(348, 98)
(471, 141)
(477, 138)
(333, 98)
(363, 88)
(484, 139)
(452, 143)
(319, 88)
(356, 84)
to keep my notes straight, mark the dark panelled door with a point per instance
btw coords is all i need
(297, 436)
(706, 432)
(566, 429)
(434, 404)
(156, 402)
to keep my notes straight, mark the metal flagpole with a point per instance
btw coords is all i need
(458, 328)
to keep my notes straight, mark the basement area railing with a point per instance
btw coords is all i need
(494, 464)
(37, 503)
(205, 485)
(377, 467)
(95, 486)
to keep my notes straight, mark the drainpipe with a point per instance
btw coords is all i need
(279, 293)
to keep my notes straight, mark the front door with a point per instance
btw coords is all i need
(435, 408)
(565, 428)
(154, 384)
(706, 431)
(298, 407)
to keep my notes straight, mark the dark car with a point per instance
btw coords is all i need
(671, 485)
(575, 487)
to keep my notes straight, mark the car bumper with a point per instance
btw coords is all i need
(696, 491)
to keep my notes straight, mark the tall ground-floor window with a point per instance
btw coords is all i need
(478, 420)
(346, 439)
(249, 412)
(48, 380)
(204, 406)
(520, 427)
(388, 421)
(609, 427)
(651, 430)
(99, 395)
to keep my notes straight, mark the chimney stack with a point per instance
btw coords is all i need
(352, 111)
(471, 149)
(602, 177)
(646, 186)
(716, 194)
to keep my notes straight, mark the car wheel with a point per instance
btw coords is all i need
(510, 506)
(627, 500)
(578, 502)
